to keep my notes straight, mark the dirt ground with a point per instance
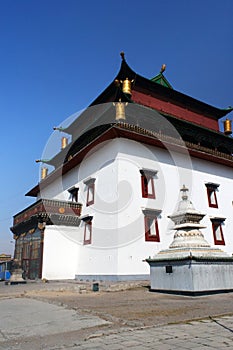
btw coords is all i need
(127, 310)
(139, 306)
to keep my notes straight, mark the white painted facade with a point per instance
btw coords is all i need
(118, 245)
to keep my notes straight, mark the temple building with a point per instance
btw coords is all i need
(103, 209)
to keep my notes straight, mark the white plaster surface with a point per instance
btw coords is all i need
(192, 276)
(118, 243)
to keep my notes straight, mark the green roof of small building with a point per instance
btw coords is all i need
(160, 79)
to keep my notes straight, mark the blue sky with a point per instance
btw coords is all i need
(58, 55)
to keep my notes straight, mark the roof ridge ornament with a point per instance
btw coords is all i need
(160, 78)
(163, 68)
(122, 55)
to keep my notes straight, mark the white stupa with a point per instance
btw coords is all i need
(188, 239)
(190, 265)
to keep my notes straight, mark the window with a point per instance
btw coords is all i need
(90, 184)
(90, 194)
(217, 231)
(211, 194)
(74, 194)
(87, 230)
(147, 182)
(151, 225)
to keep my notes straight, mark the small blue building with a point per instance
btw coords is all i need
(5, 267)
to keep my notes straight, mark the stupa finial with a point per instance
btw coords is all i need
(184, 191)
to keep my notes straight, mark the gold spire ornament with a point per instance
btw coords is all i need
(64, 142)
(163, 68)
(227, 127)
(126, 86)
(120, 109)
(44, 173)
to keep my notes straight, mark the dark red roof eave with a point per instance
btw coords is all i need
(147, 86)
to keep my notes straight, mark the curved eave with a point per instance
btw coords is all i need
(148, 86)
(113, 93)
(199, 129)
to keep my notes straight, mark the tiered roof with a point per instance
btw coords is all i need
(196, 122)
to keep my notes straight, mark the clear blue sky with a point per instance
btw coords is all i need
(58, 55)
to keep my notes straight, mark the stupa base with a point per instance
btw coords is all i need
(191, 275)
(16, 277)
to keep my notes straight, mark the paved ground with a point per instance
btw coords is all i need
(59, 315)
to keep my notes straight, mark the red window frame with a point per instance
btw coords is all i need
(217, 225)
(148, 236)
(211, 195)
(212, 192)
(90, 195)
(147, 183)
(88, 226)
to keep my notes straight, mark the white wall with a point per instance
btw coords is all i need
(118, 243)
(61, 252)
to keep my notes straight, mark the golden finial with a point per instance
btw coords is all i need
(120, 109)
(44, 173)
(163, 68)
(126, 86)
(64, 142)
(122, 55)
(227, 126)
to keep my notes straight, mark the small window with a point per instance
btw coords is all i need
(217, 231)
(74, 194)
(147, 183)
(90, 184)
(87, 230)
(211, 194)
(90, 194)
(151, 225)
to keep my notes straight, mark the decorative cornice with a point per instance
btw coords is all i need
(52, 212)
(173, 140)
(41, 220)
(140, 134)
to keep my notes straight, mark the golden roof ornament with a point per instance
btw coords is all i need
(120, 109)
(64, 142)
(163, 68)
(126, 86)
(227, 126)
(44, 173)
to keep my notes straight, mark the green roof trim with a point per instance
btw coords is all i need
(160, 79)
